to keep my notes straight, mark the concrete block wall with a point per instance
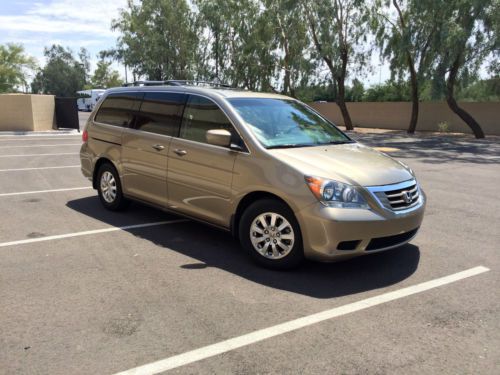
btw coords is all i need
(26, 112)
(396, 115)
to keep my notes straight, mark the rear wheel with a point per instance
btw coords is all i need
(270, 234)
(109, 188)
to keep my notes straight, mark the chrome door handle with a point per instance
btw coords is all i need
(180, 152)
(158, 147)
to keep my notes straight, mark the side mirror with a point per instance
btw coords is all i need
(219, 137)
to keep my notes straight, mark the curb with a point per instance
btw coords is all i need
(41, 133)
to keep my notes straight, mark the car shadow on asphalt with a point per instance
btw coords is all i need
(215, 248)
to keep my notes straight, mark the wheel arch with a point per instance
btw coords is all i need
(246, 201)
(101, 161)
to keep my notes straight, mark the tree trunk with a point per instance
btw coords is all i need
(217, 54)
(287, 85)
(343, 107)
(414, 96)
(452, 103)
(413, 75)
(341, 96)
(286, 81)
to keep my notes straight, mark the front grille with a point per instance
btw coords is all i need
(400, 199)
(383, 242)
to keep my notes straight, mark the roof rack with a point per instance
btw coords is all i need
(177, 82)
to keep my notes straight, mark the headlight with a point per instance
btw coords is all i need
(335, 194)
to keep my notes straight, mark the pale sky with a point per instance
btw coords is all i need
(82, 23)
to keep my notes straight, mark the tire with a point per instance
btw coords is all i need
(109, 188)
(279, 248)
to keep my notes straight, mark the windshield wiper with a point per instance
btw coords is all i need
(337, 142)
(295, 145)
(291, 145)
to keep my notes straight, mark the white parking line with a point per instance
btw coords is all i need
(33, 169)
(42, 191)
(88, 232)
(266, 333)
(14, 156)
(51, 145)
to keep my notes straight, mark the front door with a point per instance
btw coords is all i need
(200, 174)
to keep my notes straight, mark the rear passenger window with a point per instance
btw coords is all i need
(161, 113)
(201, 115)
(118, 108)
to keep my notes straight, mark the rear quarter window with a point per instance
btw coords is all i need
(118, 109)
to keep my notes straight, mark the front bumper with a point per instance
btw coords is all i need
(331, 234)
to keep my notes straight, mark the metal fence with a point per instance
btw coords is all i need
(67, 113)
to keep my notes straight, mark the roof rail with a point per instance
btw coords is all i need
(177, 82)
(153, 83)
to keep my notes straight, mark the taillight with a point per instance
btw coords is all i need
(85, 136)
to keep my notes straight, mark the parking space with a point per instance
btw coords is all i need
(85, 290)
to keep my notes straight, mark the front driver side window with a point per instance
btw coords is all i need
(201, 115)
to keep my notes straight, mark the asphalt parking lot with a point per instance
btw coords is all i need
(86, 291)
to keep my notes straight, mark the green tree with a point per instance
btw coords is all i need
(291, 43)
(316, 92)
(84, 62)
(158, 39)
(15, 66)
(486, 90)
(215, 21)
(238, 43)
(405, 39)
(390, 91)
(466, 37)
(63, 74)
(104, 77)
(355, 92)
(338, 28)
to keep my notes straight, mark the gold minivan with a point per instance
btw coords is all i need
(268, 168)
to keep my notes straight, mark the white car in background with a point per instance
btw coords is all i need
(88, 99)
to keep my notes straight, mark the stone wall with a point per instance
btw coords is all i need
(396, 115)
(26, 112)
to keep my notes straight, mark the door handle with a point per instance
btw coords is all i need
(180, 152)
(158, 147)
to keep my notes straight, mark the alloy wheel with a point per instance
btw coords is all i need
(272, 235)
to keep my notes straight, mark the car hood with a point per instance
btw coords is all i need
(352, 163)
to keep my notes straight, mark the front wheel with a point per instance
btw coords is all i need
(109, 188)
(269, 232)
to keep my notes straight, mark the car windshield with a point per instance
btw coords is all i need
(283, 123)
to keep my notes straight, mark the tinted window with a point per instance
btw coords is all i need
(117, 109)
(161, 113)
(201, 115)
